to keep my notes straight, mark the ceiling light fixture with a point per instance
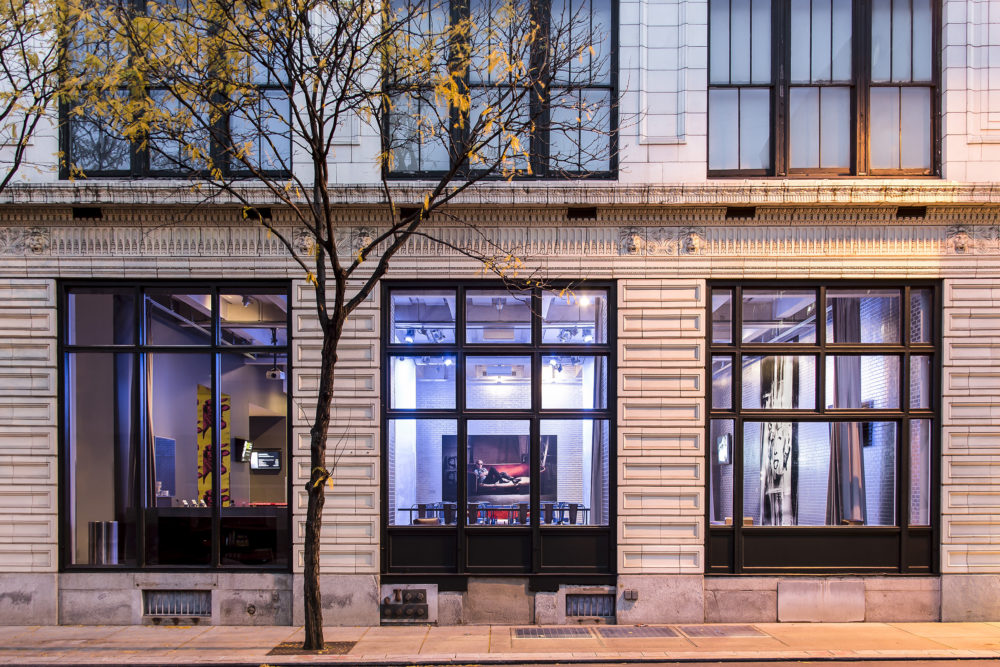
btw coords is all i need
(409, 336)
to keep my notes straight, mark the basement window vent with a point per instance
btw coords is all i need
(599, 605)
(177, 603)
(911, 212)
(740, 212)
(87, 213)
(582, 213)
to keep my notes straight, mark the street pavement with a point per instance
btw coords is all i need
(485, 644)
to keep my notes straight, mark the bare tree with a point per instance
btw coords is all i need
(231, 90)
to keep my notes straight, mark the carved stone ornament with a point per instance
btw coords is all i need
(303, 242)
(692, 241)
(24, 241)
(362, 238)
(959, 241)
(631, 242)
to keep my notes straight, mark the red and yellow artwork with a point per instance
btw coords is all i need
(205, 421)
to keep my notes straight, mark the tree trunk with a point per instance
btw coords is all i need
(317, 497)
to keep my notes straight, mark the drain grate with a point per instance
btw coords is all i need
(721, 631)
(551, 633)
(177, 603)
(628, 631)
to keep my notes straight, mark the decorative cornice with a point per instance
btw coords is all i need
(528, 242)
(777, 192)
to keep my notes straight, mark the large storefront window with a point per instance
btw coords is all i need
(821, 428)
(497, 441)
(175, 425)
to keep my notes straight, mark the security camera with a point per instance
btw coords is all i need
(275, 374)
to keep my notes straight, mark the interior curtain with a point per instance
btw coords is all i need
(845, 498)
(598, 450)
(777, 460)
(150, 434)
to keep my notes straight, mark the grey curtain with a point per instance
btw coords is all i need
(845, 498)
(599, 450)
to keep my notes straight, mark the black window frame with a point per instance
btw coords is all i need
(137, 350)
(458, 542)
(140, 164)
(860, 86)
(540, 170)
(897, 549)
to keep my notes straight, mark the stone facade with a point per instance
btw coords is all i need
(661, 232)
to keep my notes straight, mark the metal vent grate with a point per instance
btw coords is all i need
(721, 631)
(623, 631)
(177, 603)
(552, 633)
(599, 604)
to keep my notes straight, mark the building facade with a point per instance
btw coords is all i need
(760, 383)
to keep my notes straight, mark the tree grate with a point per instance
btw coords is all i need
(295, 648)
(551, 633)
(629, 631)
(721, 631)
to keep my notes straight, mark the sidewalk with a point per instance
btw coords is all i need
(500, 644)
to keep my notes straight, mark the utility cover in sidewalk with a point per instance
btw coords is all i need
(721, 631)
(295, 648)
(626, 631)
(551, 633)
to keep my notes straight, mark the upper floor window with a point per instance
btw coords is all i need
(823, 87)
(247, 133)
(540, 82)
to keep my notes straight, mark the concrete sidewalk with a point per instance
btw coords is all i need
(501, 644)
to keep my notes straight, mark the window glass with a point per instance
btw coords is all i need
(181, 416)
(920, 472)
(177, 317)
(424, 383)
(104, 316)
(723, 128)
(497, 317)
(722, 382)
(920, 382)
(779, 382)
(100, 427)
(862, 315)
(819, 473)
(574, 462)
(498, 383)
(575, 317)
(722, 316)
(423, 471)
(755, 128)
(95, 146)
(779, 316)
(720, 447)
(259, 132)
(255, 460)
(921, 319)
(571, 382)
(422, 316)
(499, 472)
(854, 382)
(248, 317)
